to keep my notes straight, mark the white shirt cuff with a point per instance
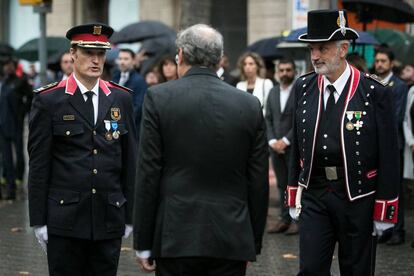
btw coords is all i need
(272, 141)
(287, 142)
(144, 254)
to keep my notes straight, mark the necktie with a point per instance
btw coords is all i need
(331, 100)
(90, 109)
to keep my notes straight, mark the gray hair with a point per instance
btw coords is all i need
(202, 45)
(340, 42)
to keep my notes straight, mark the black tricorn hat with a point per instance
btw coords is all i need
(94, 35)
(328, 25)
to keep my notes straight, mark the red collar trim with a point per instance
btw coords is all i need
(103, 85)
(71, 85)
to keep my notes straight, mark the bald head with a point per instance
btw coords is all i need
(201, 45)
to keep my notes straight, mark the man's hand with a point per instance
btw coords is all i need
(412, 148)
(280, 146)
(145, 265)
(380, 227)
(42, 236)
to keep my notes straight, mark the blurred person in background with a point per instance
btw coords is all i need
(357, 61)
(66, 67)
(223, 73)
(408, 128)
(252, 71)
(279, 122)
(167, 69)
(152, 76)
(407, 75)
(127, 76)
(383, 65)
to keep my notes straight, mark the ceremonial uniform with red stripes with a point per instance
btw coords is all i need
(345, 161)
(82, 173)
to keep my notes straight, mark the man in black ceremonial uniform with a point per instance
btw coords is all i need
(82, 149)
(344, 172)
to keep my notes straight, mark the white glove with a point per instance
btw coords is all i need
(128, 230)
(294, 212)
(380, 227)
(42, 237)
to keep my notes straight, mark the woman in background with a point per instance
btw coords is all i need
(252, 71)
(167, 69)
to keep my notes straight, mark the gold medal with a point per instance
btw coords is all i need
(349, 126)
(108, 136)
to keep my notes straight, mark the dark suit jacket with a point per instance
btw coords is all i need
(80, 183)
(8, 107)
(229, 78)
(400, 91)
(138, 86)
(202, 183)
(279, 124)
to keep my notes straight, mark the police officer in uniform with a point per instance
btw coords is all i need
(344, 170)
(82, 148)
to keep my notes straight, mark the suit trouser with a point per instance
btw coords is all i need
(199, 266)
(8, 163)
(280, 167)
(71, 256)
(329, 217)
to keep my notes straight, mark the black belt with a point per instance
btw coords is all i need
(330, 172)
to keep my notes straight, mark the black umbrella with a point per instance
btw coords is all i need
(159, 45)
(140, 31)
(55, 46)
(266, 48)
(6, 50)
(396, 11)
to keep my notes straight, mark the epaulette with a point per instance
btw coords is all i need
(117, 85)
(46, 87)
(303, 77)
(375, 78)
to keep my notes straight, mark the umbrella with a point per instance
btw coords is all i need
(6, 50)
(364, 37)
(396, 11)
(402, 44)
(159, 45)
(54, 44)
(266, 48)
(140, 31)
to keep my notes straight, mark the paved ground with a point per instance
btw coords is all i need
(21, 255)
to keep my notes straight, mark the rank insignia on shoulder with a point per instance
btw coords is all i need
(120, 86)
(376, 78)
(303, 77)
(43, 88)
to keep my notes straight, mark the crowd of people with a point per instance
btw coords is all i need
(323, 172)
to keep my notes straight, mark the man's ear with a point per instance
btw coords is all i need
(344, 49)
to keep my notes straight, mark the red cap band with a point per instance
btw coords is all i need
(89, 37)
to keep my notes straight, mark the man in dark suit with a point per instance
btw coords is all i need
(128, 77)
(8, 125)
(279, 122)
(222, 71)
(202, 183)
(384, 63)
(82, 150)
(345, 164)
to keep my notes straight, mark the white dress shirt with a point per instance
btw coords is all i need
(284, 96)
(95, 96)
(339, 85)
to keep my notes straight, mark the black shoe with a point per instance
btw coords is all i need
(386, 236)
(396, 239)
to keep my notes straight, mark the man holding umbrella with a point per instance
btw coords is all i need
(344, 165)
